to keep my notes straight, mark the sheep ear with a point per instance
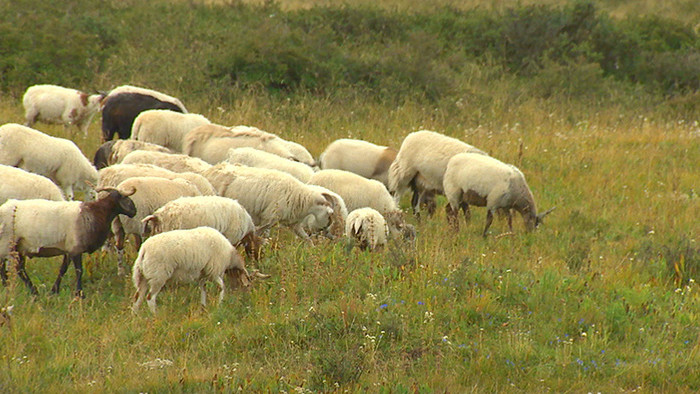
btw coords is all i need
(329, 199)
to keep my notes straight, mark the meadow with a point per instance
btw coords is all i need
(602, 297)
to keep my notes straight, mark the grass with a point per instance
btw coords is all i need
(603, 297)
(587, 302)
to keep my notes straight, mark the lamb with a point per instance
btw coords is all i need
(113, 152)
(336, 227)
(200, 254)
(26, 148)
(421, 164)
(174, 162)
(123, 104)
(152, 193)
(476, 179)
(359, 192)
(56, 104)
(30, 228)
(221, 213)
(212, 142)
(270, 196)
(22, 185)
(367, 226)
(115, 174)
(256, 158)
(360, 157)
(166, 128)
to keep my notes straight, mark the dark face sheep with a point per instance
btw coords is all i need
(121, 109)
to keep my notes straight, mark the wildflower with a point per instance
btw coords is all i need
(382, 306)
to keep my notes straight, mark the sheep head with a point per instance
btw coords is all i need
(125, 205)
(540, 216)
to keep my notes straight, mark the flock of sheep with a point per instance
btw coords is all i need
(199, 190)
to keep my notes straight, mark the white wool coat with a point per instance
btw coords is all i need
(256, 158)
(56, 104)
(212, 142)
(18, 184)
(171, 161)
(113, 175)
(56, 158)
(164, 127)
(360, 157)
(367, 226)
(121, 148)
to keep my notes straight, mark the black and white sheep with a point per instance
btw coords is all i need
(166, 128)
(123, 104)
(41, 228)
(56, 158)
(56, 104)
(201, 254)
(18, 184)
(475, 179)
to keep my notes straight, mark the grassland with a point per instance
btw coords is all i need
(601, 298)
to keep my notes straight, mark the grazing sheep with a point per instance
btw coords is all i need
(151, 194)
(22, 185)
(220, 213)
(200, 254)
(367, 226)
(336, 227)
(113, 152)
(298, 152)
(123, 104)
(166, 128)
(56, 104)
(44, 228)
(256, 158)
(360, 157)
(212, 142)
(421, 164)
(58, 159)
(270, 196)
(472, 178)
(171, 161)
(360, 192)
(113, 175)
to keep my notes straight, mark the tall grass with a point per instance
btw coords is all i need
(603, 297)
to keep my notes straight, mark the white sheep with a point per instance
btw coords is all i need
(18, 184)
(221, 213)
(360, 157)
(336, 227)
(56, 104)
(151, 194)
(58, 159)
(165, 127)
(171, 161)
(270, 196)
(475, 179)
(421, 164)
(360, 192)
(200, 254)
(113, 175)
(298, 151)
(44, 228)
(211, 143)
(256, 158)
(367, 226)
(113, 152)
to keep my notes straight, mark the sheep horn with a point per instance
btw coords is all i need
(545, 213)
(129, 193)
(256, 273)
(106, 189)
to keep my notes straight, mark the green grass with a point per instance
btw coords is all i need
(603, 297)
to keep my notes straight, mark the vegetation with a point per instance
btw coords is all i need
(599, 110)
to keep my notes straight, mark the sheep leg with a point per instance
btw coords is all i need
(427, 199)
(220, 282)
(202, 294)
(467, 212)
(78, 265)
(61, 271)
(509, 217)
(299, 231)
(452, 216)
(22, 273)
(119, 245)
(3, 272)
(489, 220)
(140, 295)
